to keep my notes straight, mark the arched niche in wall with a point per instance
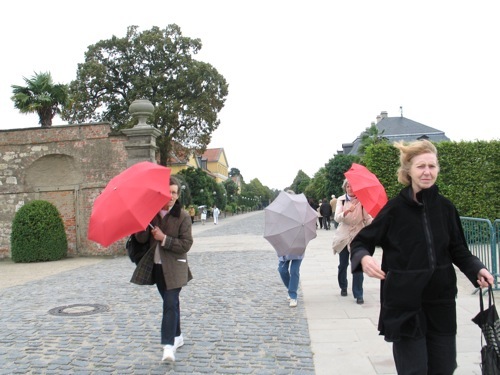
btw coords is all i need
(54, 170)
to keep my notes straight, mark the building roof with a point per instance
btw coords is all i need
(398, 129)
(212, 154)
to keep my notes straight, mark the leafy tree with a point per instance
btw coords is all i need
(335, 169)
(200, 186)
(255, 188)
(234, 172)
(185, 193)
(300, 182)
(369, 137)
(40, 96)
(158, 65)
(317, 186)
(231, 189)
(256, 193)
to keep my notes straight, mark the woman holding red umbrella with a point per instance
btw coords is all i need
(352, 217)
(422, 239)
(166, 265)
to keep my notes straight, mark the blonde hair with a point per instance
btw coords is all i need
(407, 151)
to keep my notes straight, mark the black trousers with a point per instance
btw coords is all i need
(171, 319)
(326, 222)
(430, 355)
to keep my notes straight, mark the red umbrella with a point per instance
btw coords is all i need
(129, 202)
(367, 188)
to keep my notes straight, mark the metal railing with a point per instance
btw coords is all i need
(482, 239)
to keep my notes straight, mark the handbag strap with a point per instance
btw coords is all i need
(491, 298)
(481, 308)
(481, 303)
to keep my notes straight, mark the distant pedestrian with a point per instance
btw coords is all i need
(315, 207)
(216, 213)
(203, 216)
(192, 213)
(320, 217)
(326, 212)
(333, 205)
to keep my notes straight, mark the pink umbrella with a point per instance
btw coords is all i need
(367, 188)
(129, 202)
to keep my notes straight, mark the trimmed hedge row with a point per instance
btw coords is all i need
(469, 174)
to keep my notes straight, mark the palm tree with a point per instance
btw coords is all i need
(40, 96)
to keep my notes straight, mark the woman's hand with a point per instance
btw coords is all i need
(484, 278)
(350, 209)
(157, 234)
(372, 268)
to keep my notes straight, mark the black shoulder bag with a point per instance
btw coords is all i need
(490, 327)
(135, 249)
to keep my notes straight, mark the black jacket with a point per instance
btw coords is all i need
(325, 209)
(177, 226)
(420, 243)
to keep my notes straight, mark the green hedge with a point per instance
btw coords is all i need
(469, 174)
(38, 233)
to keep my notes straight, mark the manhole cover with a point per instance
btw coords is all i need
(78, 309)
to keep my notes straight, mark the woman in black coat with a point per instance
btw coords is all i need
(422, 238)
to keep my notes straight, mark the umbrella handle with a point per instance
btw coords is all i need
(151, 226)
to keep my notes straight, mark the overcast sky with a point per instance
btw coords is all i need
(304, 76)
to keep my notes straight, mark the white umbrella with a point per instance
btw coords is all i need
(290, 223)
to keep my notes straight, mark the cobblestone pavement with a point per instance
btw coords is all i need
(235, 318)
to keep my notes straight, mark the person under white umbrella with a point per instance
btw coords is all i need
(290, 223)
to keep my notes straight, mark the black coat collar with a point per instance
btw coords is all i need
(423, 196)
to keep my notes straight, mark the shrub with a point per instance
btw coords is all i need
(469, 174)
(38, 233)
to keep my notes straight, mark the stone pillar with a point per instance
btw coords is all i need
(141, 145)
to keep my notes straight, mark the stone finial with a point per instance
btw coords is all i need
(141, 109)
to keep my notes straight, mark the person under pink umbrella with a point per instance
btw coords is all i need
(352, 217)
(166, 265)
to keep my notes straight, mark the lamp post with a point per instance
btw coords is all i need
(183, 199)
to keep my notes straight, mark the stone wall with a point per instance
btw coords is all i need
(66, 165)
